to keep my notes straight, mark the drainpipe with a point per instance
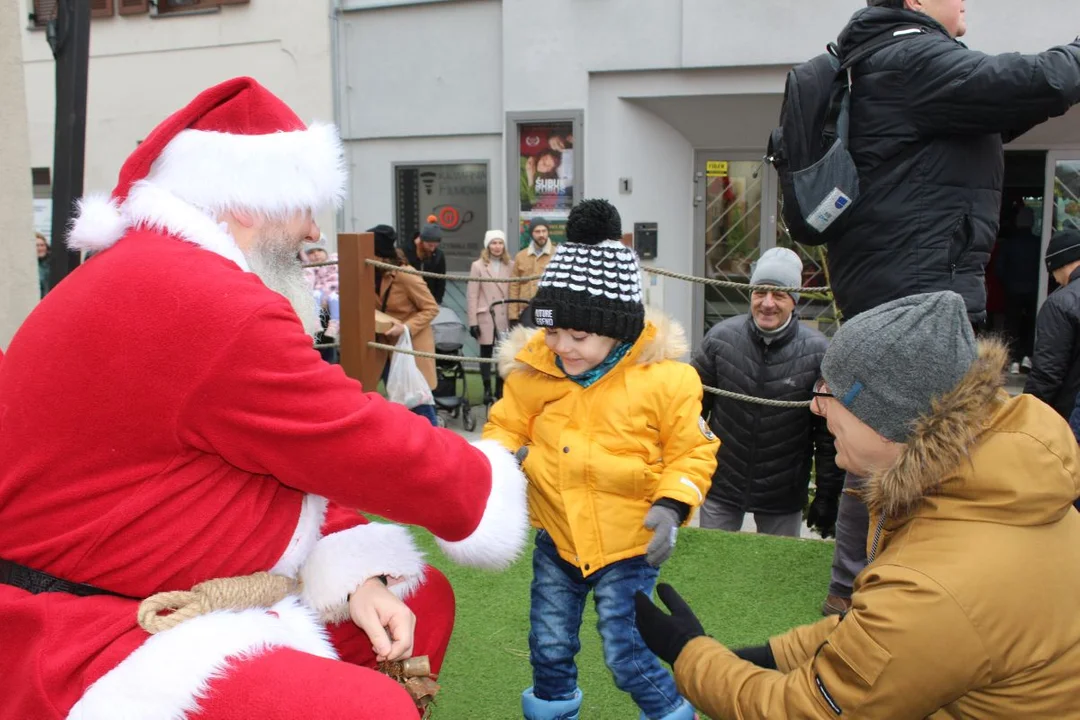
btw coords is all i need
(335, 94)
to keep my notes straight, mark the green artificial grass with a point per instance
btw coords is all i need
(743, 587)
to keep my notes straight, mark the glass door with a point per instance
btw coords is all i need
(729, 196)
(1061, 210)
(737, 205)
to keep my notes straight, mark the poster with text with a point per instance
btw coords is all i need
(546, 182)
(457, 195)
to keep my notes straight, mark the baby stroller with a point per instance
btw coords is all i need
(450, 392)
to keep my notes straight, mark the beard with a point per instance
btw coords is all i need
(274, 259)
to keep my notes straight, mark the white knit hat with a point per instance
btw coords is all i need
(491, 235)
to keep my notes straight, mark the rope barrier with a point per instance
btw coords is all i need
(529, 278)
(439, 276)
(431, 356)
(654, 271)
(492, 361)
(732, 283)
(324, 263)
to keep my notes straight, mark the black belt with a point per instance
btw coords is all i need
(36, 582)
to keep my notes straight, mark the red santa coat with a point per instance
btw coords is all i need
(164, 420)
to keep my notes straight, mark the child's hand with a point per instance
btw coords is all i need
(664, 522)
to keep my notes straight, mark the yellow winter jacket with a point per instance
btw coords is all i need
(600, 456)
(971, 606)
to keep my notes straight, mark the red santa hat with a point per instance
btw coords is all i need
(235, 146)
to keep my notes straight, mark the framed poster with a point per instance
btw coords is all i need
(544, 170)
(456, 194)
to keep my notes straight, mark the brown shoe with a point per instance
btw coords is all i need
(835, 605)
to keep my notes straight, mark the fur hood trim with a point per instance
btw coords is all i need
(662, 339)
(942, 439)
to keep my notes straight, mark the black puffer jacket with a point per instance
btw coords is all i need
(1055, 368)
(933, 114)
(765, 453)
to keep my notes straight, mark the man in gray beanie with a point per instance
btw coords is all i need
(971, 495)
(766, 453)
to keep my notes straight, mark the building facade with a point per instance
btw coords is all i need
(488, 113)
(662, 106)
(149, 57)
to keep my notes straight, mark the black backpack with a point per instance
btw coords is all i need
(818, 179)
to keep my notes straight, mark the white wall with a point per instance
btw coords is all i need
(18, 262)
(420, 83)
(142, 69)
(422, 70)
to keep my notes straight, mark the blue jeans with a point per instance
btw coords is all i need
(557, 603)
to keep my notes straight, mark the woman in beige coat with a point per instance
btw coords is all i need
(493, 263)
(405, 298)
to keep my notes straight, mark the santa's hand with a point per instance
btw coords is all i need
(385, 619)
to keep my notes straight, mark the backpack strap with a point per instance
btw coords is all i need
(878, 42)
(846, 63)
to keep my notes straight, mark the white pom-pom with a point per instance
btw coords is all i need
(98, 224)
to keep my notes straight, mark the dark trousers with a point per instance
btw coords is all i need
(852, 528)
(485, 374)
(1020, 325)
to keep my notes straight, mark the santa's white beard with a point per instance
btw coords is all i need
(275, 261)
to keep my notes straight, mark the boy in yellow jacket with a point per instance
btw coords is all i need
(617, 458)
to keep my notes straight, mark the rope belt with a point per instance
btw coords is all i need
(259, 590)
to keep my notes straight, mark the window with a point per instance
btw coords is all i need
(180, 7)
(133, 7)
(43, 11)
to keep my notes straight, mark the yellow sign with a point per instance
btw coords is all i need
(716, 168)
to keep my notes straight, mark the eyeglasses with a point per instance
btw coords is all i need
(821, 390)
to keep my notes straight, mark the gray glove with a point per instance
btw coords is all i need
(664, 522)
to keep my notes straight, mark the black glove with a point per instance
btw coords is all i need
(666, 635)
(474, 330)
(821, 516)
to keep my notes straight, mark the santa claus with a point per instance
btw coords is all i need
(164, 420)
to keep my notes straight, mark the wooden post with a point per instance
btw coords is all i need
(356, 285)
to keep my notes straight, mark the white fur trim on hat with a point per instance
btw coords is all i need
(500, 537)
(343, 560)
(277, 173)
(164, 678)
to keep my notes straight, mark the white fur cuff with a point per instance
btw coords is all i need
(500, 537)
(343, 560)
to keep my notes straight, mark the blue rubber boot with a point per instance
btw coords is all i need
(683, 712)
(536, 709)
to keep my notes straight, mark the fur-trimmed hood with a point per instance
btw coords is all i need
(981, 455)
(525, 349)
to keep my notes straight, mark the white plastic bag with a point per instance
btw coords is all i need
(406, 384)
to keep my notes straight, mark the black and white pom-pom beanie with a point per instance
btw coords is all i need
(593, 282)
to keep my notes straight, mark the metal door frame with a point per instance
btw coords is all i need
(766, 232)
(1053, 157)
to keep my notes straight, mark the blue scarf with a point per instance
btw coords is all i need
(588, 377)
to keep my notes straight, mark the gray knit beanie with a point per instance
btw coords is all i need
(778, 266)
(888, 364)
